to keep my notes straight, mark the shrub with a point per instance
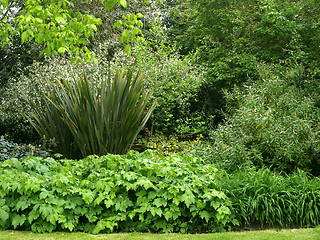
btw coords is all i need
(270, 123)
(12, 123)
(175, 80)
(9, 149)
(231, 38)
(167, 145)
(137, 192)
(267, 198)
(86, 118)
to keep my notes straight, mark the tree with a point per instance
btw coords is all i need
(55, 25)
(232, 36)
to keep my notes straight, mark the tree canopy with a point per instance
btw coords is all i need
(55, 25)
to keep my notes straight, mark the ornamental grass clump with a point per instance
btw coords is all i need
(265, 198)
(85, 117)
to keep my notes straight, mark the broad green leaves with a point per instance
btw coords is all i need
(59, 29)
(96, 196)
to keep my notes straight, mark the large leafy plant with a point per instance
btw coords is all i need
(134, 192)
(86, 118)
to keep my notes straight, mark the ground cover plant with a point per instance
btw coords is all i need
(112, 193)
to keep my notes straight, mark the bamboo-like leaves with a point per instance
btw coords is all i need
(88, 119)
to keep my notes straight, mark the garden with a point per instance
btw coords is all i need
(182, 118)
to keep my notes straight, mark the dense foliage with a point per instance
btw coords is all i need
(231, 36)
(136, 192)
(150, 192)
(271, 123)
(86, 118)
(174, 78)
(174, 81)
(12, 123)
(9, 149)
(265, 198)
(237, 87)
(59, 27)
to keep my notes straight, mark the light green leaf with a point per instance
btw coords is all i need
(215, 204)
(18, 220)
(33, 215)
(127, 49)
(24, 36)
(206, 215)
(61, 50)
(188, 198)
(4, 215)
(123, 3)
(60, 20)
(21, 205)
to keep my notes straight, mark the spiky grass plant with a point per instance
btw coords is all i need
(267, 198)
(87, 118)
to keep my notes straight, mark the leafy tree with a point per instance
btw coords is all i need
(55, 25)
(232, 36)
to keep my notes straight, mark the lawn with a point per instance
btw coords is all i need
(288, 234)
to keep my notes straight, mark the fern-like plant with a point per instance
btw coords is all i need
(86, 118)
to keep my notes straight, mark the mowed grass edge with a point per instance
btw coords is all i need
(285, 234)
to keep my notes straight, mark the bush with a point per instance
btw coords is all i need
(170, 145)
(86, 118)
(175, 80)
(268, 199)
(12, 123)
(137, 192)
(271, 123)
(9, 149)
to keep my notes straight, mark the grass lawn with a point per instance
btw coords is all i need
(288, 234)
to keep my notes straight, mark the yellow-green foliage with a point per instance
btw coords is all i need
(169, 145)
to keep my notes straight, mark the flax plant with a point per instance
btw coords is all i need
(86, 118)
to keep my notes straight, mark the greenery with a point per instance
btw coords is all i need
(270, 123)
(136, 192)
(172, 145)
(58, 28)
(9, 149)
(85, 118)
(173, 114)
(303, 234)
(174, 78)
(231, 37)
(233, 144)
(267, 198)
(15, 125)
(12, 123)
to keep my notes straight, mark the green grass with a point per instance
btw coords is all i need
(288, 234)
